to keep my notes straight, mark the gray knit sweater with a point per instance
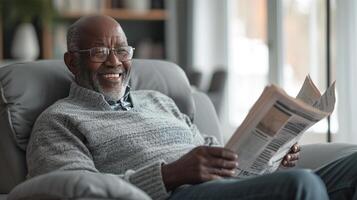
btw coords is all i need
(82, 132)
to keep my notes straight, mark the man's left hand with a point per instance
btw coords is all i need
(292, 157)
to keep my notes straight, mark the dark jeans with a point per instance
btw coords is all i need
(336, 180)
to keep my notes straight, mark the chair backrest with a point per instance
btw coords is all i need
(26, 89)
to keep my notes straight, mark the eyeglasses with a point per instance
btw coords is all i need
(100, 54)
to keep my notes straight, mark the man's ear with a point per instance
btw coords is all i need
(69, 59)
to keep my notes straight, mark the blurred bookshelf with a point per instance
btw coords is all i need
(143, 22)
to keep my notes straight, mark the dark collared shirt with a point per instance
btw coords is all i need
(124, 103)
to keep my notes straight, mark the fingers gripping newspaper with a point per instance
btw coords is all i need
(275, 123)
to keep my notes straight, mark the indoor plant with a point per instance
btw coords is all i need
(22, 15)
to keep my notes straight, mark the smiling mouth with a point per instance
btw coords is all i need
(112, 76)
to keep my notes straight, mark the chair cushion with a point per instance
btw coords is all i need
(76, 185)
(165, 77)
(313, 156)
(26, 89)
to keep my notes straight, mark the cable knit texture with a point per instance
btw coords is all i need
(82, 132)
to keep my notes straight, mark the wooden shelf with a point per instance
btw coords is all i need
(151, 20)
(126, 14)
(136, 15)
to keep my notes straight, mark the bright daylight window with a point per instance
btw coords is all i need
(304, 31)
(247, 56)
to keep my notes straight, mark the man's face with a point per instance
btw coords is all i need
(111, 76)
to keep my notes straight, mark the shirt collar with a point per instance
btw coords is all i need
(123, 103)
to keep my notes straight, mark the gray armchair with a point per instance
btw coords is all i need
(26, 89)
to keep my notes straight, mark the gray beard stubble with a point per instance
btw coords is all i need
(84, 79)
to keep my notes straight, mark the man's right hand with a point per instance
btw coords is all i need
(201, 164)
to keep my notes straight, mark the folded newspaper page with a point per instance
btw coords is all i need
(275, 123)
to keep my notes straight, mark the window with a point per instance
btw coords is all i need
(247, 56)
(304, 51)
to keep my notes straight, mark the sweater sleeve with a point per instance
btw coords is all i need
(56, 144)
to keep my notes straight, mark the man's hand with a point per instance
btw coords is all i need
(292, 157)
(201, 164)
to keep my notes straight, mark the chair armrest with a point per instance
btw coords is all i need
(76, 185)
(206, 117)
(313, 156)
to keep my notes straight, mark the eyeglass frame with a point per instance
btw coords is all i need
(110, 50)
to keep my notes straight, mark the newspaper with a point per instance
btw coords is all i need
(275, 123)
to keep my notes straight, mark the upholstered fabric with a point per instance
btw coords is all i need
(76, 185)
(165, 77)
(25, 90)
(204, 113)
(313, 156)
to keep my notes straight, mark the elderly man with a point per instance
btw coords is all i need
(142, 137)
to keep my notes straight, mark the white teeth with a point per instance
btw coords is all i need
(111, 75)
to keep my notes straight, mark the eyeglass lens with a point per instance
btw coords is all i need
(100, 54)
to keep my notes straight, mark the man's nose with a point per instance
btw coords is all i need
(113, 60)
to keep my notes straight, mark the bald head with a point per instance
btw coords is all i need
(99, 56)
(90, 26)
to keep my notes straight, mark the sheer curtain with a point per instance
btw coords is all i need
(209, 39)
(346, 69)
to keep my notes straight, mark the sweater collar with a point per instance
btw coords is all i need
(91, 96)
